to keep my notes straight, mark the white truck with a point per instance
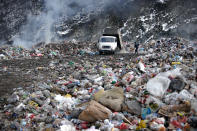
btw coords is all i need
(110, 41)
(107, 44)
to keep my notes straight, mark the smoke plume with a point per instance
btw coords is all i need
(50, 22)
(40, 28)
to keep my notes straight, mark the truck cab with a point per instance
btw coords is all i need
(107, 44)
(110, 41)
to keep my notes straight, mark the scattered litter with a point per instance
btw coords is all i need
(78, 89)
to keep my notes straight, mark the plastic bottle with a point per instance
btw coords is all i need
(145, 112)
(23, 122)
(46, 93)
(124, 126)
(40, 103)
(13, 98)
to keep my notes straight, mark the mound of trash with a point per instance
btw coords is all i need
(78, 89)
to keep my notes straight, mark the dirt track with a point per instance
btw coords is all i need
(17, 73)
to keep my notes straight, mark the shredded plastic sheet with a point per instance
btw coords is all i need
(157, 86)
(141, 67)
(67, 128)
(65, 102)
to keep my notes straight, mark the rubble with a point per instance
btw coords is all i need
(68, 86)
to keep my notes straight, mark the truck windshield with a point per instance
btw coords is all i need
(107, 39)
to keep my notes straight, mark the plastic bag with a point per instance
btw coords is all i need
(13, 98)
(173, 73)
(177, 84)
(154, 103)
(127, 78)
(174, 98)
(65, 103)
(157, 86)
(145, 112)
(157, 123)
(141, 66)
(193, 89)
(67, 128)
(171, 98)
(134, 107)
(185, 95)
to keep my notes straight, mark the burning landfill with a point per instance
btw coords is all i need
(149, 82)
(69, 86)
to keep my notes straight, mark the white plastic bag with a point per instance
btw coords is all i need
(154, 100)
(185, 95)
(65, 103)
(157, 86)
(67, 128)
(172, 98)
(193, 89)
(141, 67)
(173, 73)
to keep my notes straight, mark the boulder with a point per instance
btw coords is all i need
(95, 112)
(112, 99)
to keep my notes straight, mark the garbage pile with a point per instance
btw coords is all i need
(154, 91)
(52, 50)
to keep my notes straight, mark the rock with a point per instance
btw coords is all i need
(112, 99)
(94, 112)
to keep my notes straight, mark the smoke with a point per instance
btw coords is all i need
(161, 1)
(44, 27)
(188, 31)
(41, 28)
